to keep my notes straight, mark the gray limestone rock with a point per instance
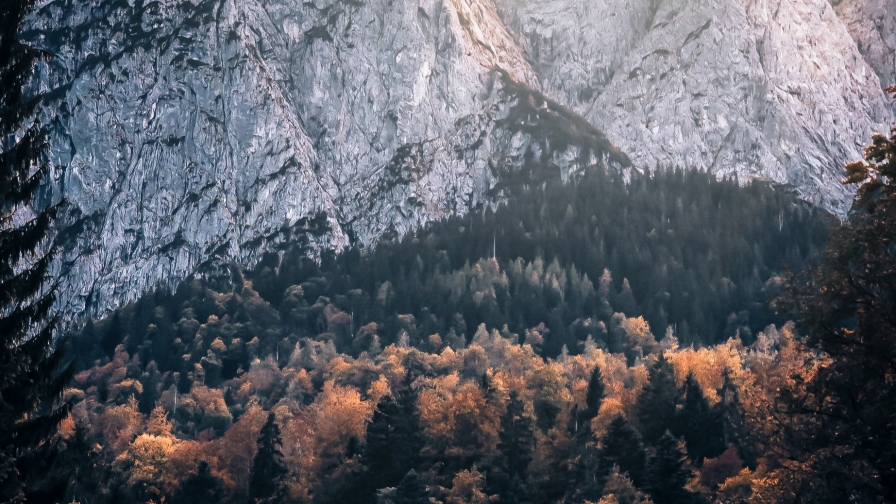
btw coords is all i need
(872, 24)
(194, 133)
(769, 89)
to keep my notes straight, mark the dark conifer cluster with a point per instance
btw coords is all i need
(32, 374)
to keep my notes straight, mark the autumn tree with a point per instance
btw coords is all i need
(268, 470)
(31, 371)
(620, 490)
(143, 465)
(467, 488)
(847, 309)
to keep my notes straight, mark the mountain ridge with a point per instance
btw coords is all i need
(188, 133)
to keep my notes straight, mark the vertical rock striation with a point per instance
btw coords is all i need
(755, 88)
(872, 24)
(190, 133)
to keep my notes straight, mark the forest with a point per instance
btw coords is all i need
(613, 337)
(473, 361)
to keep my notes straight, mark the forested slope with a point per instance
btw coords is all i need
(532, 352)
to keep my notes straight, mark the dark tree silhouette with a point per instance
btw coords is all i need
(200, 488)
(411, 490)
(585, 481)
(516, 442)
(844, 423)
(394, 440)
(668, 472)
(268, 470)
(31, 371)
(702, 427)
(621, 446)
(657, 402)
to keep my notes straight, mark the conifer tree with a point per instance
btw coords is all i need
(733, 418)
(268, 470)
(200, 488)
(411, 490)
(668, 472)
(394, 440)
(584, 476)
(621, 446)
(594, 395)
(516, 442)
(657, 402)
(31, 372)
(701, 426)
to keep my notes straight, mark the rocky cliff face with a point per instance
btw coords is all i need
(755, 88)
(189, 133)
(872, 24)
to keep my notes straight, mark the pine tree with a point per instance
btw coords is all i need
(733, 418)
(657, 402)
(31, 371)
(268, 470)
(200, 488)
(668, 473)
(594, 396)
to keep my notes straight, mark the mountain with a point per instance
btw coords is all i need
(757, 88)
(192, 133)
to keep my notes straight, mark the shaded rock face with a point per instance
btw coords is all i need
(776, 89)
(188, 134)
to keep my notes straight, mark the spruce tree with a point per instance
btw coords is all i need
(516, 442)
(584, 477)
(268, 470)
(594, 396)
(734, 422)
(31, 371)
(200, 488)
(621, 446)
(668, 472)
(702, 427)
(394, 440)
(411, 490)
(657, 402)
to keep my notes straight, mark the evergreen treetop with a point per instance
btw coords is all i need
(268, 469)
